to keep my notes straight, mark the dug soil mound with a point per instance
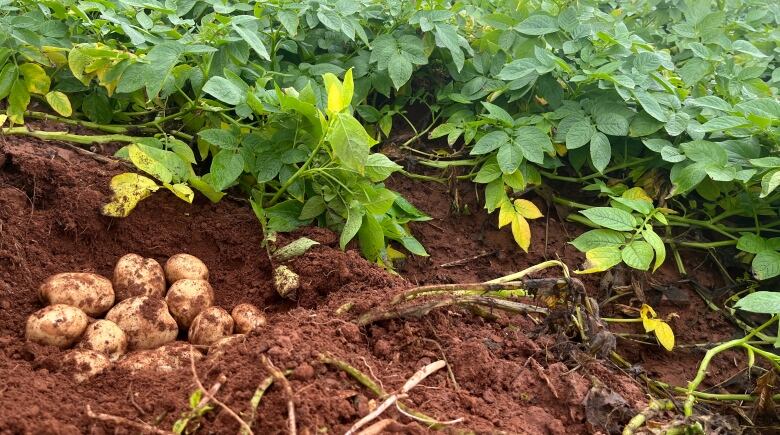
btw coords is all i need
(506, 375)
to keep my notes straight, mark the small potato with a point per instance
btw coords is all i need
(188, 297)
(90, 292)
(165, 358)
(247, 318)
(105, 337)
(145, 320)
(286, 282)
(138, 276)
(220, 346)
(185, 266)
(56, 325)
(83, 364)
(210, 325)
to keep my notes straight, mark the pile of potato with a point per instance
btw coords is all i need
(141, 316)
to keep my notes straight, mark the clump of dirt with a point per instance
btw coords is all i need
(505, 375)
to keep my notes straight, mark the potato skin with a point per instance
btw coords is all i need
(165, 358)
(145, 320)
(185, 266)
(135, 275)
(187, 298)
(82, 364)
(105, 337)
(219, 347)
(56, 325)
(247, 318)
(89, 292)
(210, 325)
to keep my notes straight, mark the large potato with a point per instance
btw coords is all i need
(145, 320)
(83, 364)
(210, 325)
(165, 358)
(105, 337)
(185, 266)
(90, 292)
(138, 276)
(187, 298)
(56, 325)
(247, 318)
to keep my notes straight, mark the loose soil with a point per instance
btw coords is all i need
(508, 375)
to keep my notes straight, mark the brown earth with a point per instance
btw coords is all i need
(506, 375)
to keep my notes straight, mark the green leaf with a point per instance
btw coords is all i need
(312, 208)
(763, 302)
(18, 100)
(597, 239)
(657, 244)
(490, 142)
(400, 71)
(711, 102)
(537, 25)
(646, 62)
(611, 123)
(509, 157)
(7, 77)
(612, 218)
(579, 134)
(638, 254)
(371, 238)
(705, 151)
(746, 47)
(352, 225)
(497, 113)
(223, 139)
(488, 172)
(724, 123)
(226, 167)
(533, 142)
(650, 104)
(224, 90)
(769, 182)
(518, 69)
(351, 144)
(161, 60)
(254, 41)
(59, 102)
(600, 151)
(379, 167)
(751, 243)
(687, 178)
(766, 264)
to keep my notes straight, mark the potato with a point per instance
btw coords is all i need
(138, 276)
(220, 346)
(210, 325)
(105, 337)
(83, 364)
(188, 297)
(165, 358)
(89, 292)
(286, 282)
(247, 318)
(185, 266)
(145, 320)
(56, 325)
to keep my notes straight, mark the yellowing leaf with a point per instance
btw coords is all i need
(348, 89)
(521, 232)
(647, 311)
(3, 117)
(59, 102)
(394, 254)
(600, 259)
(182, 191)
(129, 189)
(35, 78)
(335, 93)
(665, 335)
(637, 193)
(560, 149)
(55, 54)
(650, 324)
(506, 214)
(527, 209)
(648, 318)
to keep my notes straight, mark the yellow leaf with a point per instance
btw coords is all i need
(665, 335)
(647, 311)
(637, 193)
(55, 54)
(35, 78)
(600, 259)
(560, 149)
(3, 117)
(527, 209)
(650, 324)
(394, 254)
(335, 93)
(129, 189)
(59, 102)
(506, 214)
(521, 232)
(181, 190)
(648, 318)
(348, 89)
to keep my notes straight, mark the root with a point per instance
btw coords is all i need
(279, 377)
(121, 421)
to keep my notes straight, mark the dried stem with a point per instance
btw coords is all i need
(213, 399)
(279, 377)
(121, 421)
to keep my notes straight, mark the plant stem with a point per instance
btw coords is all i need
(68, 137)
(704, 245)
(624, 165)
(297, 174)
(109, 128)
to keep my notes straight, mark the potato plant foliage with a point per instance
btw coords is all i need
(286, 100)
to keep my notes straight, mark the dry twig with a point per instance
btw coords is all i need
(279, 377)
(121, 421)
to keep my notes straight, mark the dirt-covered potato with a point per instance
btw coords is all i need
(286, 282)
(145, 320)
(187, 298)
(247, 318)
(90, 292)
(138, 276)
(83, 364)
(210, 325)
(165, 358)
(105, 337)
(220, 346)
(56, 325)
(185, 266)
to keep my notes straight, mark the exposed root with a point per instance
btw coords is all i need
(279, 377)
(121, 421)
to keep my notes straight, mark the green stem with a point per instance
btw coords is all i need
(68, 137)
(297, 173)
(618, 320)
(624, 165)
(704, 245)
(109, 128)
